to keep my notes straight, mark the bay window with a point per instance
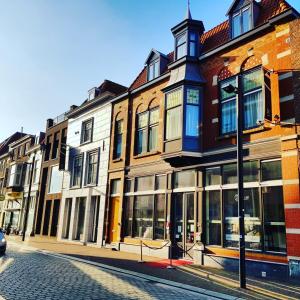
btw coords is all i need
(173, 114)
(192, 112)
(193, 43)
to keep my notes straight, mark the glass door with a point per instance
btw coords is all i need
(184, 225)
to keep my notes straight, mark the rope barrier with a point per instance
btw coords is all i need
(156, 248)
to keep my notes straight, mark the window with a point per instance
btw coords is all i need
(87, 131)
(213, 218)
(160, 182)
(241, 22)
(118, 139)
(147, 131)
(35, 176)
(115, 187)
(153, 70)
(181, 46)
(92, 167)
(145, 183)
(275, 237)
(252, 98)
(15, 178)
(264, 208)
(55, 146)
(193, 44)
(144, 216)
(184, 179)
(271, 170)
(173, 114)
(192, 113)
(77, 171)
(55, 184)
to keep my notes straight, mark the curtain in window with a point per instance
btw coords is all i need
(173, 123)
(153, 136)
(192, 120)
(229, 116)
(253, 109)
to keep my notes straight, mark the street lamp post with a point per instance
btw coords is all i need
(241, 209)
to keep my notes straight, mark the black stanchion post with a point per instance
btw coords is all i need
(170, 266)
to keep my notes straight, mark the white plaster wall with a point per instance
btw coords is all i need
(101, 139)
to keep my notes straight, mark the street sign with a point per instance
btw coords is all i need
(2, 197)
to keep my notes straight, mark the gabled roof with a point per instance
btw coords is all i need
(155, 52)
(235, 3)
(4, 146)
(220, 34)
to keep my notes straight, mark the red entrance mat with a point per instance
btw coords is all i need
(166, 262)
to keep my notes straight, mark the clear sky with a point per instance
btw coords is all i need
(53, 51)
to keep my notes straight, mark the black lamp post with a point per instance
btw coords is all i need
(239, 121)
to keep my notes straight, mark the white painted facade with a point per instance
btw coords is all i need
(94, 196)
(37, 156)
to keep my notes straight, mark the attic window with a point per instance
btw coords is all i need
(181, 46)
(153, 69)
(241, 21)
(93, 93)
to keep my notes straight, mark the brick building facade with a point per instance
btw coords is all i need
(172, 171)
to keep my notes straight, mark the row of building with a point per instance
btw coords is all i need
(156, 162)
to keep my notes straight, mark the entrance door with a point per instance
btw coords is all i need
(114, 219)
(184, 225)
(55, 214)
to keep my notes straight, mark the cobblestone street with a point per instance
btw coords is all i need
(26, 274)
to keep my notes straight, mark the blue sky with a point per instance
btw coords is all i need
(53, 51)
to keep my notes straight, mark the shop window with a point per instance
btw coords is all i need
(213, 176)
(184, 179)
(143, 217)
(160, 182)
(274, 219)
(213, 218)
(145, 183)
(271, 170)
(159, 217)
(250, 170)
(229, 174)
(128, 216)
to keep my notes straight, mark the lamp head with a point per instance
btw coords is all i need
(229, 88)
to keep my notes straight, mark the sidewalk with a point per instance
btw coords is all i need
(211, 279)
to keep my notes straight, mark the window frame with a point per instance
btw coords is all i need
(83, 131)
(118, 135)
(87, 165)
(185, 42)
(239, 12)
(81, 157)
(155, 64)
(243, 94)
(147, 128)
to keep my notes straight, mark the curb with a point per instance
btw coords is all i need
(132, 273)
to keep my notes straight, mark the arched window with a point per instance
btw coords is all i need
(147, 130)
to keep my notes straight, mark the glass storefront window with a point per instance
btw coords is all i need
(213, 218)
(212, 176)
(229, 174)
(128, 216)
(143, 217)
(161, 182)
(159, 217)
(250, 171)
(274, 219)
(231, 218)
(271, 170)
(184, 179)
(145, 183)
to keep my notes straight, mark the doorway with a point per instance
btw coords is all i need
(114, 219)
(47, 217)
(184, 225)
(55, 214)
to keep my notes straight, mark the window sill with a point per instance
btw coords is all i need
(75, 187)
(117, 160)
(90, 185)
(85, 143)
(146, 154)
(248, 131)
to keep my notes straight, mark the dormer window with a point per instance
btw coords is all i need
(241, 21)
(181, 47)
(153, 70)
